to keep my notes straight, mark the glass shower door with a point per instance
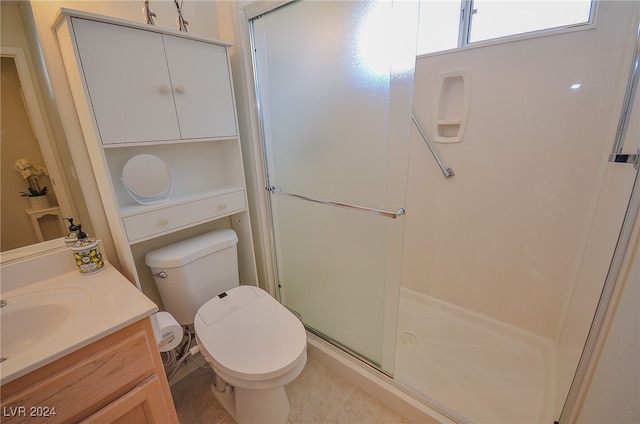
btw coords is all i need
(335, 99)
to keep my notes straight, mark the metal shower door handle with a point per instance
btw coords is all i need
(381, 212)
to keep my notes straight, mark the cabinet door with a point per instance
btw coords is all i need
(128, 82)
(201, 87)
(144, 404)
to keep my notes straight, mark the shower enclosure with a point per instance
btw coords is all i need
(480, 297)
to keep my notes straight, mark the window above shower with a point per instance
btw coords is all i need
(450, 24)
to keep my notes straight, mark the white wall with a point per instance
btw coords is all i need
(233, 28)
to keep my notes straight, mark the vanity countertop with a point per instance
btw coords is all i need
(75, 310)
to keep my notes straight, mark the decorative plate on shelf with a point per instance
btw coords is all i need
(147, 179)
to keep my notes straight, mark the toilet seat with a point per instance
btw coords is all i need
(247, 335)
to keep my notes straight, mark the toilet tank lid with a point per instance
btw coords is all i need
(186, 251)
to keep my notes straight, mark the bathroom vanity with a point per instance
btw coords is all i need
(78, 347)
(119, 378)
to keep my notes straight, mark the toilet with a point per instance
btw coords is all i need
(253, 344)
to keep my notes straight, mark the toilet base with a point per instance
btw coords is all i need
(268, 406)
(253, 406)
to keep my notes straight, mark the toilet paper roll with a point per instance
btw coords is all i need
(167, 331)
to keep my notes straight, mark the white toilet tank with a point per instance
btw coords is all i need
(190, 272)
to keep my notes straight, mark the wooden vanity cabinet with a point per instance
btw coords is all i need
(117, 379)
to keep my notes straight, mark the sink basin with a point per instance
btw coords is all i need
(22, 328)
(31, 318)
(52, 310)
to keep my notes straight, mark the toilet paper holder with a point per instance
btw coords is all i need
(167, 331)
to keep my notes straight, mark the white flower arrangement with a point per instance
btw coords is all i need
(31, 171)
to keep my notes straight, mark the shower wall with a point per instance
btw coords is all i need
(526, 222)
(525, 230)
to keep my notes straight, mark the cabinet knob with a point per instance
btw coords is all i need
(222, 206)
(163, 221)
(180, 88)
(164, 88)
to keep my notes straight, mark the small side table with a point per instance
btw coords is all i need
(36, 214)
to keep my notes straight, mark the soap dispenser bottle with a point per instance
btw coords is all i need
(72, 237)
(87, 253)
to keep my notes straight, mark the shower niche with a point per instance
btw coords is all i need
(451, 109)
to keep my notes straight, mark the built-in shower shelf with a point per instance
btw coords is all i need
(448, 129)
(451, 108)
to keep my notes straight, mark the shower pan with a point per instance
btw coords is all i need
(474, 290)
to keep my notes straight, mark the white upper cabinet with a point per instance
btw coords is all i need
(204, 103)
(145, 86)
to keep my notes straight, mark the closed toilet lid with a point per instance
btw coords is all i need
(249, 334)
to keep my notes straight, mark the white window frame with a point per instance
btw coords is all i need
(466, 21)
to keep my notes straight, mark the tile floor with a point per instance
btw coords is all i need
(317, 396)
